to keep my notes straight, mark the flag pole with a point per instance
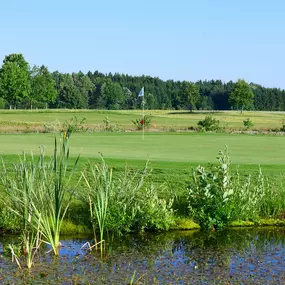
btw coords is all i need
(143, 118)
(142, 122)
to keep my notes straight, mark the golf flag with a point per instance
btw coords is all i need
(141, 94)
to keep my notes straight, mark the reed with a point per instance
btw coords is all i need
(38, 192)
(20, 188)
(99, 191)
(51, 199)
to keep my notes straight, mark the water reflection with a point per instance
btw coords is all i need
(236, 256)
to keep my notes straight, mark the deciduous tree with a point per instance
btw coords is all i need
(189, 95)
(242, 96)
(15, 82)
(43, 87)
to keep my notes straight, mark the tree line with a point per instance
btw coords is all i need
(22, 86)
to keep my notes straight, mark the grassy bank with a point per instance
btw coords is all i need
(35, 120)
(171, 155)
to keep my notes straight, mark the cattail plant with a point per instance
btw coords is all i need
(51, 198)
(99, 191)
(38, 192)
(20, 188)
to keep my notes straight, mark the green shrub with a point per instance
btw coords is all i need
(216, 197)
(144, 122)
(210, 194)
(209, 124)
(248, 123)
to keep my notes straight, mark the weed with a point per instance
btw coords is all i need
(52, 127)
(109, 127)
(248, 123)
(74, 124)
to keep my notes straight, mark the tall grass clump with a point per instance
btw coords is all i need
(256, 197)
(20, 186)
(121, 202)
(98, 195)
(52, 198)
(39, 193)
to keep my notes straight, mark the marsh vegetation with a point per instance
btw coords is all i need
(132, 186)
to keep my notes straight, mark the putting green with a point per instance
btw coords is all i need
(158, 147)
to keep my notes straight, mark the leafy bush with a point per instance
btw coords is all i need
(144, 122)
(210, 193)
(216, 197)
(247, 123)
(209, 124)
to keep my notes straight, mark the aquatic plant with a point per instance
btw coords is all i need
(99, 191)
(38, 192)
(121, 202)
(51, 198)
(20, 189)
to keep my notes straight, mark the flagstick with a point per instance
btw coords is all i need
(143, 119)
(141, 94)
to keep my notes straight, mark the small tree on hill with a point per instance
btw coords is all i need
(242, 96)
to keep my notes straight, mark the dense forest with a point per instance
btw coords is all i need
(22, 86)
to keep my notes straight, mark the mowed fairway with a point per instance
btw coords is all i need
(160, 148)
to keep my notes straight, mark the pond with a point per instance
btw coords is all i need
(236, 256)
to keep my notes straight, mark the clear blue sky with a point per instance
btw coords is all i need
(180, 40)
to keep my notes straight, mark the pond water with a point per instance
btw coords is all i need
(236, 256)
